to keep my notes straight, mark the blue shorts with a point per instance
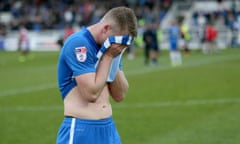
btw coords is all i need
(82, 131)
(173, 46)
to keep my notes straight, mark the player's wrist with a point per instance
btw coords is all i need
(108, 56)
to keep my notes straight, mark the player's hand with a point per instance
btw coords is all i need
(115, 49)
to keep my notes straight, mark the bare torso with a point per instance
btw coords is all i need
(76, 106)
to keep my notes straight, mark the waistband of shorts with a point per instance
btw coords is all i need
(68, 120)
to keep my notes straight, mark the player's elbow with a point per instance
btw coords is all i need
(119, 96)
(93, 97)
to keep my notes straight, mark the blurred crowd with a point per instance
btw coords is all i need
(225, 16)
(40, 15)
(66, 15)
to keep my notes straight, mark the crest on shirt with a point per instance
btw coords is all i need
(81, 53)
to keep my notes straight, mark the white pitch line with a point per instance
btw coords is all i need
(12, 92)
(135, 105)
(27, 89)
(180, 103)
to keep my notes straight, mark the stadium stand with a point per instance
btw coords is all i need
(40, 16)
(223, 14)
(48, 18)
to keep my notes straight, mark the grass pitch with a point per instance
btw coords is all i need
(197, 103)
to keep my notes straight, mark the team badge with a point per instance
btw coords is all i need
(81, 53)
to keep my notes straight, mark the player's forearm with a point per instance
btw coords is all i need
(119, 87)
(101, 75)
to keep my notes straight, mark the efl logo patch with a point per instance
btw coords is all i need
(81, 53)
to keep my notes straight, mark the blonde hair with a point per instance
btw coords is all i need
(124, 18)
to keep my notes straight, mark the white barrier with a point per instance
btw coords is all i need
(39, 41)
(47, 40)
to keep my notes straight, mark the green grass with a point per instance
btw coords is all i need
(197, 103)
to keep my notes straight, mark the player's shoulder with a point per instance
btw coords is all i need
(76, 39)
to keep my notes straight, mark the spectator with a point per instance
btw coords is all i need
(210, 37)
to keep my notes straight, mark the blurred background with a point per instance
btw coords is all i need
(190, 99)
(48, 21)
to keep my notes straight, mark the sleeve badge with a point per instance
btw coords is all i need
(81, 53)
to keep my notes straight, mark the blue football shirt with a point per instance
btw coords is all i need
(78, 56)
(174, 34)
